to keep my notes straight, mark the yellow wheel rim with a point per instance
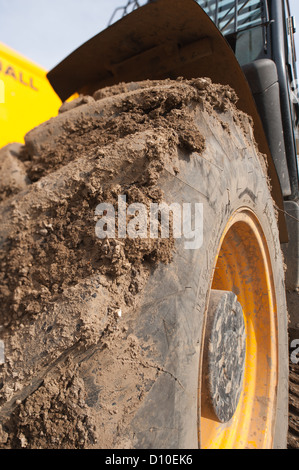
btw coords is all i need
(243, 266)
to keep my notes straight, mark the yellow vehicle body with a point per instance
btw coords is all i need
(26, 97)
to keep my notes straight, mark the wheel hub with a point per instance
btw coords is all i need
(224, 356)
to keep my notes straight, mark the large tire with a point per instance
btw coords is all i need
(136, 379)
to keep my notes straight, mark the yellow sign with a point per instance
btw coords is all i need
(26, 97)
(2, 92)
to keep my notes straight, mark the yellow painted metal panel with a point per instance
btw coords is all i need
(26, 97)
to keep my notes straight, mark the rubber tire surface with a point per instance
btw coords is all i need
(227, 176)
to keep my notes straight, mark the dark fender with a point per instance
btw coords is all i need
(163, 39)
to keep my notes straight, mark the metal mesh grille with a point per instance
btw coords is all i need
(120, 12)
(233, 15)
(229, 15)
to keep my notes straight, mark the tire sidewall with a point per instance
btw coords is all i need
(172, 316)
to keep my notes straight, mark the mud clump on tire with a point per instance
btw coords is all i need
(55, 415)
(66, 294)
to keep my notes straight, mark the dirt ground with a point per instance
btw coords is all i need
(62, 289)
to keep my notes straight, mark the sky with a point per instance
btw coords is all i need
(46, 31)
